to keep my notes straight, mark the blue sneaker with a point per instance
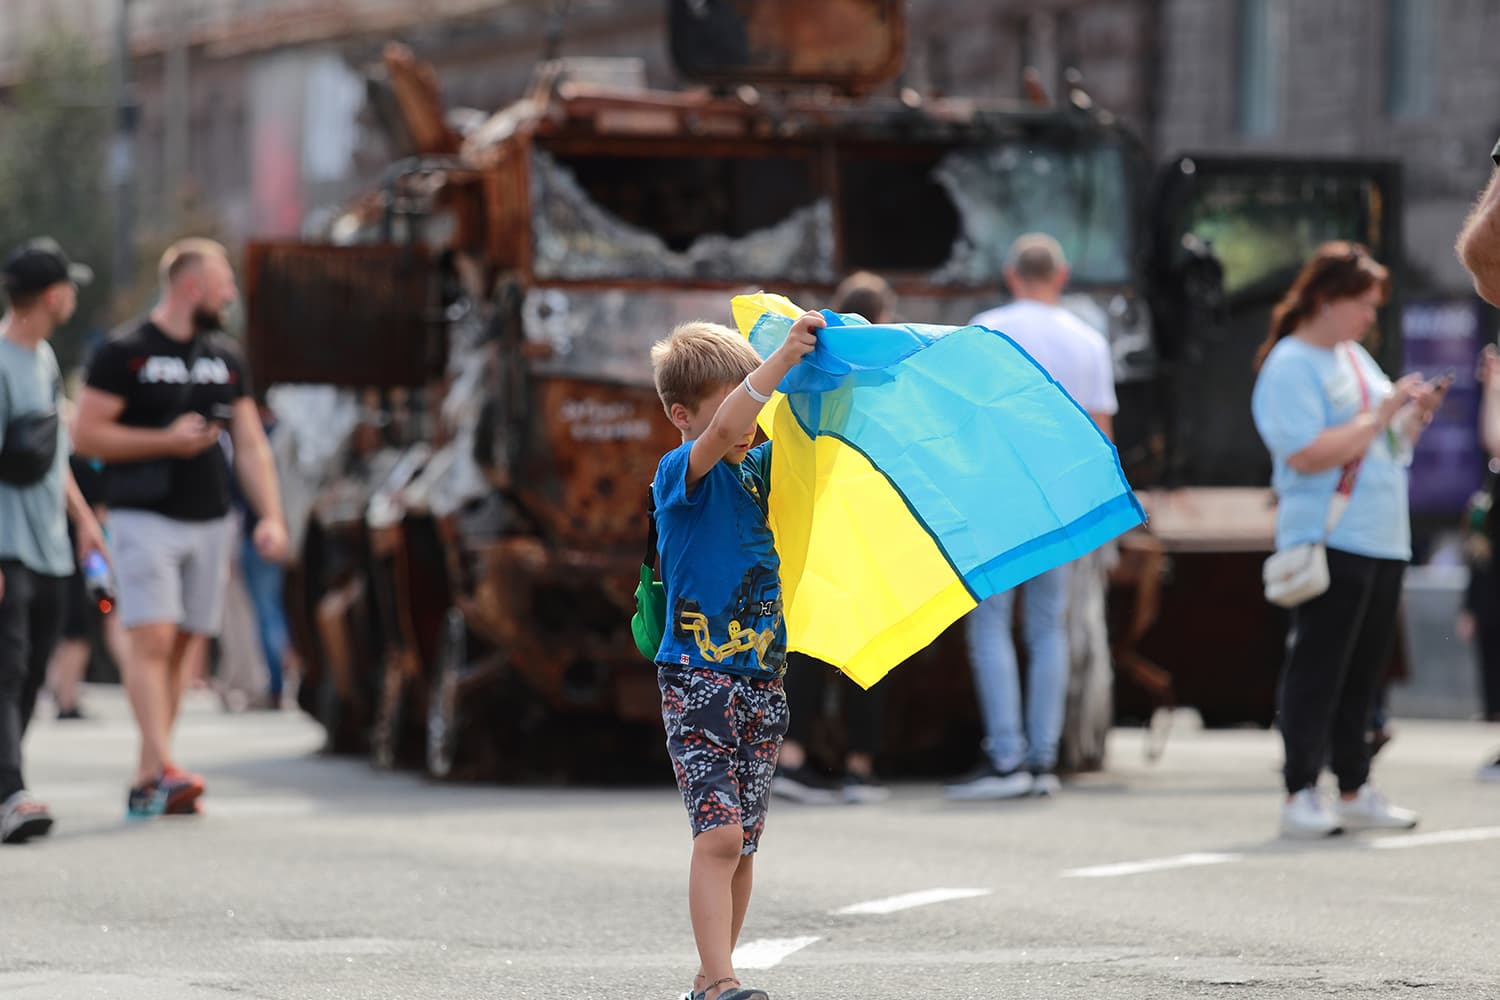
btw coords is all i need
(146, 801)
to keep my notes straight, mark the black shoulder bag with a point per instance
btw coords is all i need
(30, 442)
(146, 483)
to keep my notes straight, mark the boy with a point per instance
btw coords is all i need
(724, 651)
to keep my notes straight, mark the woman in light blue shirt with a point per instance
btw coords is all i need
(1340, 436)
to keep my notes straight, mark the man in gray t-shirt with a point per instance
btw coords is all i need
(37, 495)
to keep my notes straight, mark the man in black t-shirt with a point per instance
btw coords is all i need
(156, 402)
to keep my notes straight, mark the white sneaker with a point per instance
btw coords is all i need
(1370, 810)
(1490, 771)
(1044, 783)
(1306, 816)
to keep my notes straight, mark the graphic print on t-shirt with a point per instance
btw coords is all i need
(172, 370)
(720, 567)
(754, 616)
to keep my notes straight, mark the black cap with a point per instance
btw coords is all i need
(39, 264)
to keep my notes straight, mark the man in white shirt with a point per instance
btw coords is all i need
(1022, 760)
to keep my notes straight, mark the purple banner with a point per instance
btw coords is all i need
(1440, 334)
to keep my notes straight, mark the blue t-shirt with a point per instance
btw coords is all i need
(720, 568)
(1302, 391)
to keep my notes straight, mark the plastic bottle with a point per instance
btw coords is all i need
(99, 582)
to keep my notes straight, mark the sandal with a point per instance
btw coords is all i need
(23, 817)
(735, 994)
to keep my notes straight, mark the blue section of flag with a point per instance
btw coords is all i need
(996, 462)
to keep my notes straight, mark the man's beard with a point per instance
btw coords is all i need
(207, 320)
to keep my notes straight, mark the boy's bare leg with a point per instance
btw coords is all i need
(861, 764)
(715, 903)
(744, 877)
(148, 684)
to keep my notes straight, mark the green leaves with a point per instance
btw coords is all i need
(54, 139)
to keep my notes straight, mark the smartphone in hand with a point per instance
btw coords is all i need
(221, 413)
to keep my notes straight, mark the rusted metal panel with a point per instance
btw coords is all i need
(591, 452)
(561, 617)
(354, 316)
(854, 44)
(416, 88)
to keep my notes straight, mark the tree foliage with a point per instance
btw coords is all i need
(55, 130)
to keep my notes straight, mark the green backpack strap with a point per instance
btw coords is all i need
(649, 623)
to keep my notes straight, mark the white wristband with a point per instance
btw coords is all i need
(753, 394)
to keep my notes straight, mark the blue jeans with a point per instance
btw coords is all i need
(996, 676)
(263, 581)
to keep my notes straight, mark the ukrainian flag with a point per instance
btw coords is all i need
(916, 471)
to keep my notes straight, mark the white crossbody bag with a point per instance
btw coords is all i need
(1296, 575)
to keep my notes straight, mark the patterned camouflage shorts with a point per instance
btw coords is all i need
(723, 734)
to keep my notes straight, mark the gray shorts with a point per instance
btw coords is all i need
(169, 571)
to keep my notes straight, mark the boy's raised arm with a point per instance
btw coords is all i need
(735, 417)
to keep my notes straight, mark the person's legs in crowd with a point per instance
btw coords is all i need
(30, 617)
(70, 660)
(1487, 632)
(992, 653)
(264, 582)
(1380, 719)
(1361, 806)
(116, 639)
(146, 673)
(795, 778)
(45, 627)
(1044, 625)
(1322, 638)
(864, 712)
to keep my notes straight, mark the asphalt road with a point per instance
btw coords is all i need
(318, 877)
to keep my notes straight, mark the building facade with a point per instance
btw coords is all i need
(257, 107)
(1409, 80)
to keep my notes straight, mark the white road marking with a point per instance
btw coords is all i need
(768, 952)
(1439, 837)
(911, 899)
(1152, 865)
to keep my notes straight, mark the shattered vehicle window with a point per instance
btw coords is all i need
(1264, 226)
(597, 217)
(1079, 194)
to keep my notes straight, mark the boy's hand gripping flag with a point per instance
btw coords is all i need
(918, 470)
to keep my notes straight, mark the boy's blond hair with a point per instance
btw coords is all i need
(697, 358)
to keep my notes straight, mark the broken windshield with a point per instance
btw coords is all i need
(1078, 194)
(945, 213)
(656, 217)
(1263, 225)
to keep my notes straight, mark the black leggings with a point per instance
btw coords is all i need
(31, 611)
(806, 682)
(1339, 645)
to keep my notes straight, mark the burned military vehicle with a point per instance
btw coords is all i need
(465, 588)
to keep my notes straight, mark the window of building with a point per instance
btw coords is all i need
(1409, 46)
(1262, 64)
